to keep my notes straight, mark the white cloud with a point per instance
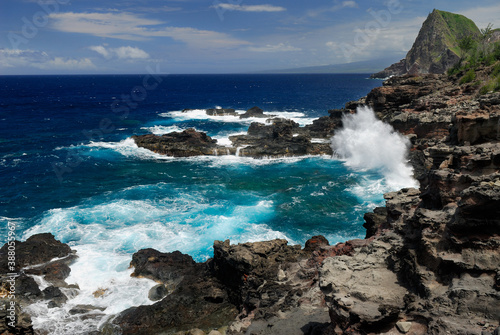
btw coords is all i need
(281, 47)
(250, 8)
(101, 50)
(127, 52)
(12, 58)
(114, 25)
(164, 9)
(344, 4)
(349, 4)
(127, 26)
(59, 63)
(130, 53)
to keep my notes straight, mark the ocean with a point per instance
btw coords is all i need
(68, 166)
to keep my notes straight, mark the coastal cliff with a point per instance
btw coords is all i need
(436, 47)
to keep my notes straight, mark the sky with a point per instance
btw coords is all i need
(212, 36)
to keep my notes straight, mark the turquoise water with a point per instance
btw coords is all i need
(69, 167)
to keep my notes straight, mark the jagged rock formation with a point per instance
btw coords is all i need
(278, 138)
(436, 48)
(433, 254)
(262, 287)
(35, 256)
(180, 144)
(195, 299)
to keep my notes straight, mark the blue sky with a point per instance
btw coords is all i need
(211, 36)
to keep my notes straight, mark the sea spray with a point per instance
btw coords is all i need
(367, 143)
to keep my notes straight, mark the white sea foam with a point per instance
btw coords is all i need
(366, 143)
(200, 114)
(106, 234)
(129, 148)
(224, 139)
(161, 130)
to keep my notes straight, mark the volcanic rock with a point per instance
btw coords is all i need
(435, 48)
(37, 249)
(40, 254)
(221, 112)
(254, 112)
(180, 144)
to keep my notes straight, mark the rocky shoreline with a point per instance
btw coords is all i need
(429, 264)
(277, 138)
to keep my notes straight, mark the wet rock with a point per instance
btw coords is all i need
(27, 289)
(221, 112)
(54, 294)
(37, 249)
(21, 324)
(82, 309)
(163, 267)
(282, 138)
(157, 292)
(180, 144)
(279, 139)
(254, 112)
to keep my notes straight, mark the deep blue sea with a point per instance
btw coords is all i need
(69, 167)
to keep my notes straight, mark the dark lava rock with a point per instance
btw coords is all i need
(196, 299)
(163, 267)
(37, 249)
(82, 309)
(374, 221)
(254, 112)
(258, 281)
(157, 292)
(55, 295)
(221, 112)
(34, 256)
(243, 268)
(27, 289)
(281, 138)
(184, 144)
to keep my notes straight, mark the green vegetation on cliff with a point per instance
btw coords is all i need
(479, 63)
(456, 28)
(437, 45)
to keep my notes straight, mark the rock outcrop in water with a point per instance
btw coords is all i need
(277, 138)
(181, 144)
